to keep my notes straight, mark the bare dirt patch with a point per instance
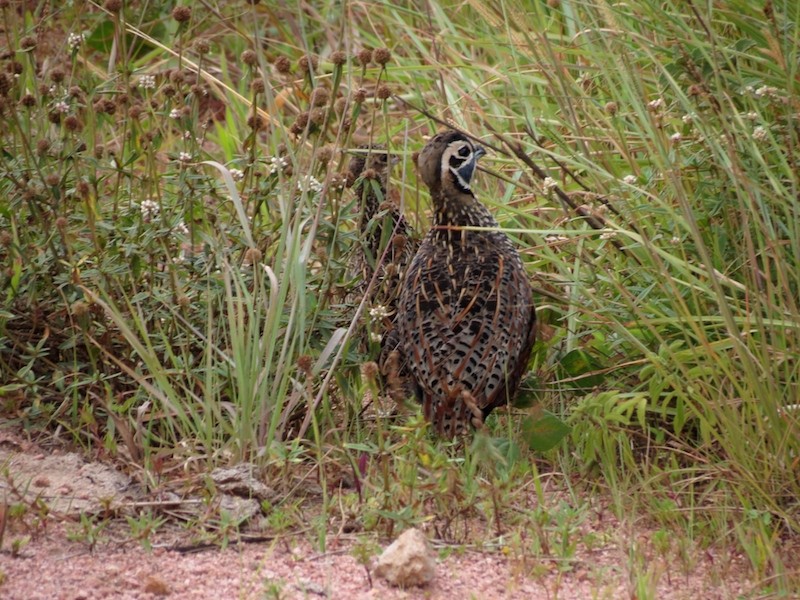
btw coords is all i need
(48, 564)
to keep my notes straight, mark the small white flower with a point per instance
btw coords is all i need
(607, 235)
(549, 183)
(62, 107)
(656, 104)
(675, 240)
(675, 138)
(629, 179)
(74, 41)
(182, 228)
(309, 184)
(760, 133)
(689, 118)
(751, 116)
(277, 163)
(184, 157)
(237, 174)
(147, 82)
(378, 312)
(375, 337)
(149, 209)
(765, 90)
(175, 113)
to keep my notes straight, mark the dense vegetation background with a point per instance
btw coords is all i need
(175, 234)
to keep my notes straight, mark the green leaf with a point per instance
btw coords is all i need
(543, 432)
(581, 367)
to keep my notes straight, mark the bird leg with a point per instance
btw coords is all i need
(477, 414)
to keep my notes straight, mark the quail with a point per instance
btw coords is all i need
(465, 318)
(382, 227)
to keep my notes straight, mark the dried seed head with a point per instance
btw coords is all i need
(113, 6)
(57, 75)
(317, 116)
(28, 101)
(359, 96)
(181, 14)
(369, 371)
(257, 85)
(320, 97)
(79, 308)
(611, 108)
(27, 42)
(384, 92)
(252, 256)
(202, 46)
(76, 92)
(54, 117)
(307, 63)
(6, 82)
(42, 146)
(300, 123)
(338, 58)
(382, 56)
(72, 123)
(82, 189)
(169, 90)
(52, 180)
(183, 301)
(364, 57)
(256, 122)
(99, 151)
(177, 76)
(283, 65)
(249, 58)
(135, 111)
(305, 363)
(325, 154)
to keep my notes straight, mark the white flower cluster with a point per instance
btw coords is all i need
(276, 164)
(62, 107)
(760, 134)
(549, 184)
(656, 104)
(182, 228)
(149, 209)
(74, 40)
(629, 179)
(175, 113)
(237, 174)
(184, 157)
(309, 183)
(147, 82)
(378, 312)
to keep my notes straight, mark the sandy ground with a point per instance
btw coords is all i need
(51, 564)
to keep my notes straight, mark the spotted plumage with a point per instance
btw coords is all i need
(387, 240)
(465, 322)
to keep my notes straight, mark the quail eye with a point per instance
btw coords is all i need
(464, 151)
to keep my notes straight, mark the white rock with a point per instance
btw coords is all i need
(408, 561)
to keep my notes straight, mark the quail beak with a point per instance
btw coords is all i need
(479, 151)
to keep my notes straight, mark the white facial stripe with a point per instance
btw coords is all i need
(451, 151)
